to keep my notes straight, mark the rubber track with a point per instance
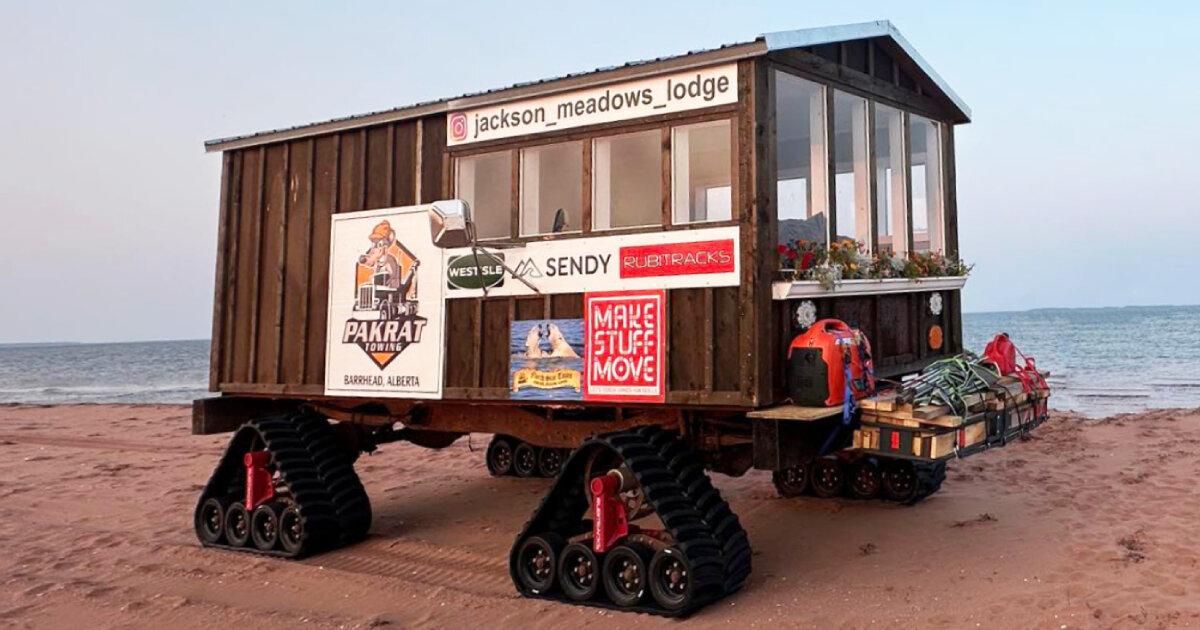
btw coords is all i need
(565, 504)
(335, 465)
(930, 476)
(291, 450)
(689, 469)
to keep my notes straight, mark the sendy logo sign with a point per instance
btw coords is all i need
(677, 259)
(625, 349)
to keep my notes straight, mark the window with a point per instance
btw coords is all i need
(702, 172)
(551, 188)
(925, 168)
(850, 167)
(485, 183)
(890, 198)
(800, 142)
(627, 181)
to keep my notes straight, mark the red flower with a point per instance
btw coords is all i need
(806, 261)
(781, 249)
(791, 255)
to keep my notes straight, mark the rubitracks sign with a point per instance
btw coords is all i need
(665, 94)
(676, 259)
(386, 289)
(625, 354)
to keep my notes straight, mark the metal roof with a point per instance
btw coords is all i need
(763, 44)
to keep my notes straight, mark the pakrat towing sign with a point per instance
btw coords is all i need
(386, 289)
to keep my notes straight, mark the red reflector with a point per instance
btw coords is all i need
(895, 441)
(962, 438)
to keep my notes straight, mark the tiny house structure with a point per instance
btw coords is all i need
(634, 276)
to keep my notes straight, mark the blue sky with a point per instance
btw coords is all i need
(1075, 179)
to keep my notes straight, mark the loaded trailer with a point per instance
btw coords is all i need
(605, 270)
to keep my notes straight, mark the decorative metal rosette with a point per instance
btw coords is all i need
(806, 314)
(935, 304)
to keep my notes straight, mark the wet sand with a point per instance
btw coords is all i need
(1089, 524)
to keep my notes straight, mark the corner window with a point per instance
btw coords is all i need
(702, 172)
(891, 222)
(485, 183)
(800, 143)
(850, 167)
(925, 168)
(627, 185)
(551, 189)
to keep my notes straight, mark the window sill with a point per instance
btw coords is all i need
(812, 288)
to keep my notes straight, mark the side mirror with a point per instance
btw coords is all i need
(448, 223)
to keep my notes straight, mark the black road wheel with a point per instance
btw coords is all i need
(828, 478)
(210, 521)
(550, 462)
(791, 482)
(264, 527)
(291, 530)
(500, 456)
(578, 572)
(237, 524)
(900, 481)
(536, 562)
(525, 460)
(864, 479)
(625, 575)
(671, 579)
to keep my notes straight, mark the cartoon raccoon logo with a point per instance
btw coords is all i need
(385, 301)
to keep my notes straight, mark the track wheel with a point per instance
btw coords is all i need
(671, 579)
(791, 482)
(264, 527)
(828, 478)
(525, 460)
(291, 530)
(625, 574)
(500, 456)
(536, 562)
(578, 572)
(550, 462)
(210, 521)
(864, 479)
(900, 481)
(237, 524)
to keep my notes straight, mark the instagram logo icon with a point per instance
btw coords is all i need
(458, 127)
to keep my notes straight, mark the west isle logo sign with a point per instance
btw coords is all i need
(385, 319)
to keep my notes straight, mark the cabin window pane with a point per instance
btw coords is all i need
(925, 169)
(627, 181)
(551, 188)
(485, 183)
(850, 167)
(702, 172)
(800, 143)
(890, 198)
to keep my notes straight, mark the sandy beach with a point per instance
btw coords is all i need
(1088, 524)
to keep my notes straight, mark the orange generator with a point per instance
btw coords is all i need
(823, 358)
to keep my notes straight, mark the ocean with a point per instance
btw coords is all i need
(1102, 361)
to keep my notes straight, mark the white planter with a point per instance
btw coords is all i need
(812, 288)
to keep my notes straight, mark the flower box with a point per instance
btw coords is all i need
(813, 289)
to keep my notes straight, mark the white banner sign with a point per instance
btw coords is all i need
(706, 257)
(666, 94)
(386, 292)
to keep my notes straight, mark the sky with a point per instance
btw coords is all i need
(1076, 176)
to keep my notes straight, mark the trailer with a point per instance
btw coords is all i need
(604, 270)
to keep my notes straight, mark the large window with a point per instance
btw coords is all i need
(485, 183)
(891, 200)
(702, 172)
(800, 137)
(925, 160)
(627, 180)
(551, 188)
(851, 181)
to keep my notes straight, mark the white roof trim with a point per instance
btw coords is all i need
(804, 38)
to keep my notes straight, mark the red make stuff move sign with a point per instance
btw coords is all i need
(677, 259)
(625, 347)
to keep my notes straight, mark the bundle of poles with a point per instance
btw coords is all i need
(949, 382)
